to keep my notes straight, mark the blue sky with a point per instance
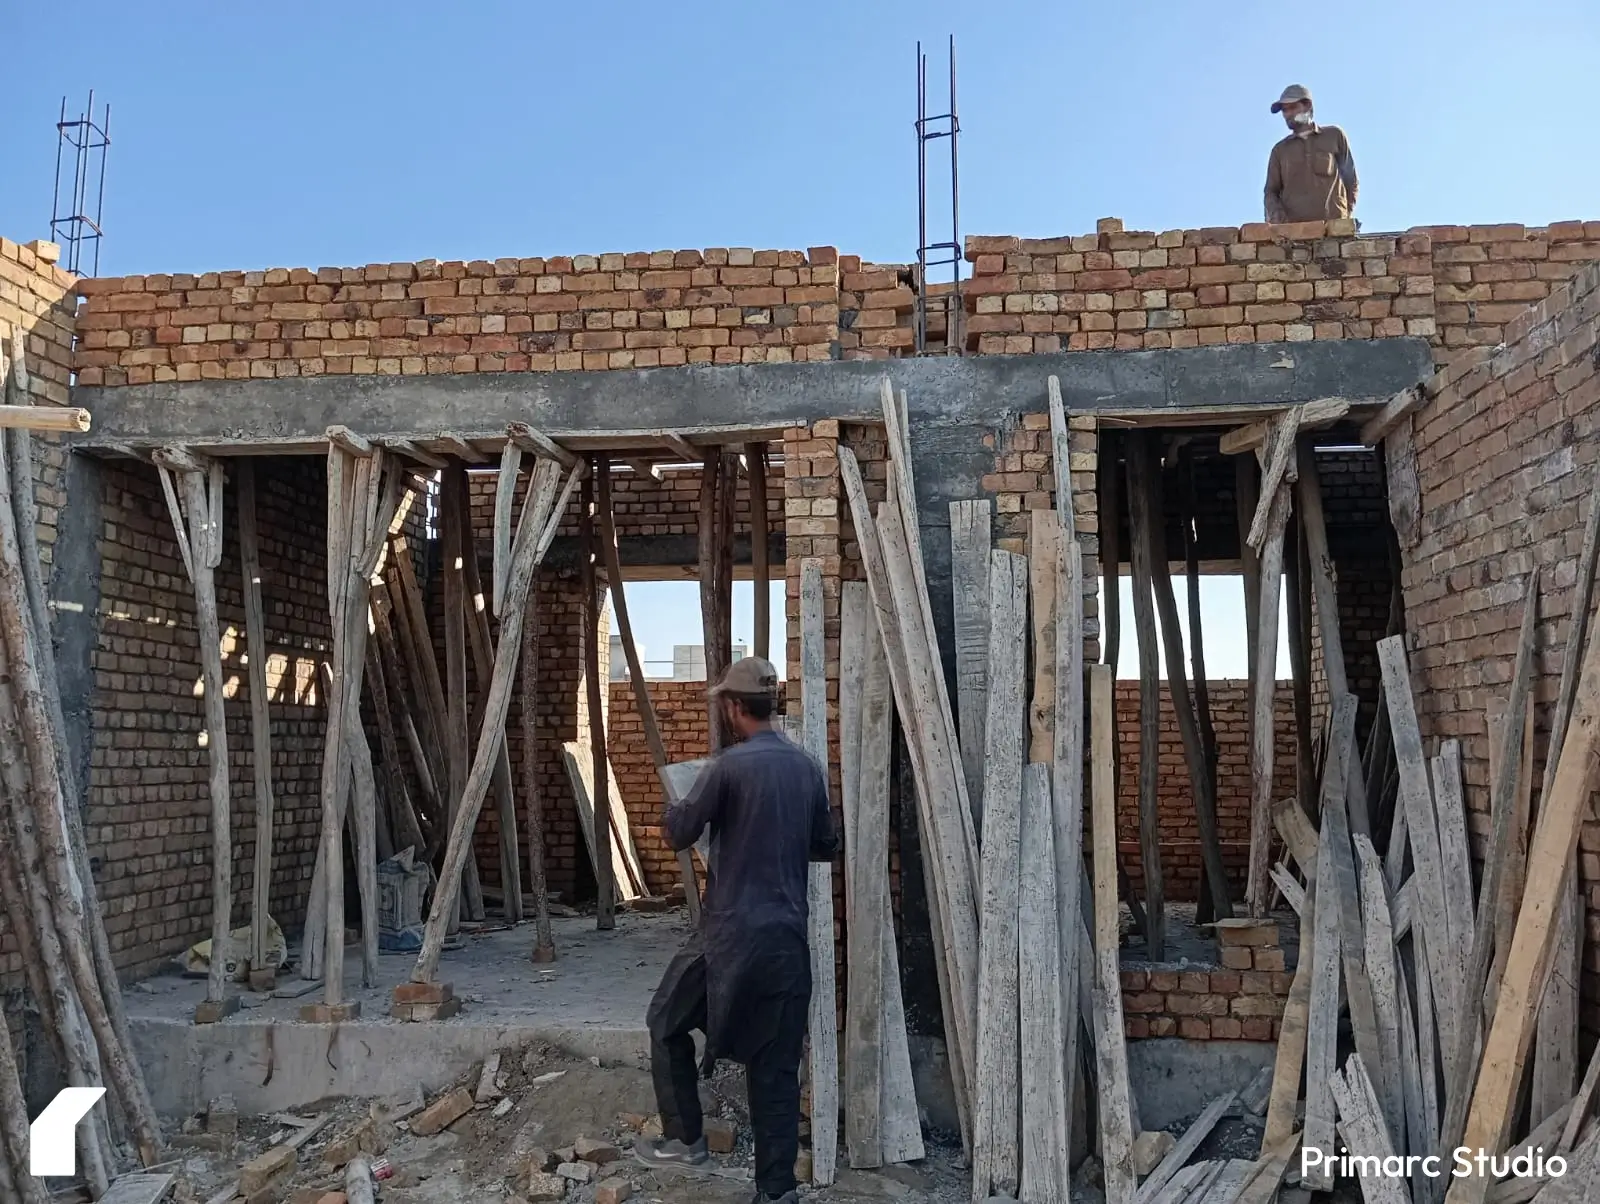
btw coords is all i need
(297, 134)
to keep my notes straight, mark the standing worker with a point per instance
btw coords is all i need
(744, 979)
(1311, 174)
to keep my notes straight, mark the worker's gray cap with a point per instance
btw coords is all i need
(749, 677)
(1291, 94)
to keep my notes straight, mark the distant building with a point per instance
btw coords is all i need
(689, 660)
(619, 660)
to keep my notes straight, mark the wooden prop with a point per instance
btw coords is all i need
(755, 455)
(969, 580)
(643, 703)
(1044, 581)
(823, 1027)
(544, 945)
(1045, 1131)
(453, 503)
(1072, 885)
(578, 758)
(1144, 618)
(716, 581)
(607, 880)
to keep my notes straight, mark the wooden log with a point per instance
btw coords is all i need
(534, 534)
(364, 795)
(969, 581)
(1555, 1051)
(1378, 949)
(1322, 412)
(1043, 1098)
(711, 610)
(1111, 1055)
(1197, 647)
(1377, 428)
(1263, 687)
(1044, 574)
(996, 1165)
(823, 1026)
(260, 711)
(505, 495)
(1140, 524)
(1183, 704)
(453, 501)
(481, 642)
(544, 945)
(19, 1182)
(535, 443)
(606, 881)
(1279, 470)
(1501, 805)
(643, 703)
(755, 455)
(44, 418)
(1245, 493)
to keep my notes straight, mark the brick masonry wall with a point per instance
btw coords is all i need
(1506, 456)
(577, 313)
(1240, 998)
(681, 711)
(1180, 833)
(148, 817)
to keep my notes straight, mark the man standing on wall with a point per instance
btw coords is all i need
(744, 979)
(1311, 174)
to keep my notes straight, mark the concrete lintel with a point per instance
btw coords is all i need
(294, 414)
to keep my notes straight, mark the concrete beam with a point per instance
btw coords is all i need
(638, 406)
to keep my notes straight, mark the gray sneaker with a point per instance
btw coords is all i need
(671, 1152)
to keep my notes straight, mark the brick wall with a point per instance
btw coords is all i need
(584, 312)
(1240, 997)
(1506, 456)
(681, 711)
(1180, 833)
(149, 808)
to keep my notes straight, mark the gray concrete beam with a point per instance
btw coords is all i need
(294, 414)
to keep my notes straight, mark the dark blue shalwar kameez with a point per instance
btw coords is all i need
(745, 978)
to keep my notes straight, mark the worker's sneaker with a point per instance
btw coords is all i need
(671, 1152)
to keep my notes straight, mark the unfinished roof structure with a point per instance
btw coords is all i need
(335, 548)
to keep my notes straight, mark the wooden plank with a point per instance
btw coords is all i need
(1581, 1101)
(1262, 1184)
(1322, 412)
(1180, 1153)
(1397, 407)
(1560, 816)
(1291, 1052)
(505, 496)
(1379, 951)
(461, 449)
(1045, 1173)
(1429, 1054)
(1455, 854)
(1044, 579)
(1194, 751)
(755, 455)
(995, 1155)
(866, 862)
(544, 946)
(1544, 1137)
(1289, 887)
(969, 582)
(824, 1038)
(525, 438)
(686, 451)
(140, 1188)
(1140, 525)
(1422, 834)
(1197, 651)
(609, 881)
(1299, 835)
(1111, 1054)
(1419, 1135)
(578, 758)
(44, 418)
(1364, 1130)
(1263, 706)
(1327, 953)
(1555, 1051)
(453, 501)
(260, 710)
(1067, 808)
(1404, 486)
(1515, 877)
(1279, 471)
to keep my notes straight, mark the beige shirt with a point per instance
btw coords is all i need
(1311, 176)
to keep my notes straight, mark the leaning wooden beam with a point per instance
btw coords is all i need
(1501, 806)
(1144, 618)
(1072, 886)
(578, 758)
(1043, 1095)
(1194, 750)
(1378, 939)
(201, 529)
(606, 880)
(15, 1175)
(1273, 511)
(1396, 408)
(1245, 496)
(1151, 1188)
(686, 451)
(996, 1165)
(714, 617)
(422, 663)
(534, 533)
(505, 496)
(1555, 1051)
(262, 975)
(536, 443)
(641, 688)
(1279, 469)
(1297, 590)
(1044, 573)
(453, 507)
(1197, 647)
(1366, 1134)
(407, 825)
(1111, 1054)
(461, 449)
(969, 581)
(1324, 411)
(544, 946)
(823, 1026)
(755, 455)
(44, 418)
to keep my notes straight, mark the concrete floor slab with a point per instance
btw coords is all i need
(591, 1003)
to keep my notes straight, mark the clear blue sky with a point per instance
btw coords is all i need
(297, 134)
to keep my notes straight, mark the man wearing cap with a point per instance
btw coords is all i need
(744, 979)
(1311, 174)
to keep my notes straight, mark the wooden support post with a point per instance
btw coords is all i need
(262, 975)
(995, 1157)
(715, 600)
(1197, 647)
(969, 579)
(755, 455)
(1144, 618)
(1194, 749)
(481, 641)
(641, 688)
(544, 945)
(1044, 581)
(385, 615)
(1379, 951)
(458, 741)
(1297, 588)
(1045, 1136)
(199, 530)
(1072, 887)
(407, 826)
(823, 1026)
(422, 665)
(605, 915)
(1116, 1123)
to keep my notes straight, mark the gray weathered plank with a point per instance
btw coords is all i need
(1379, 951)
(969, 582)
(1043, 1084)
(1150, 1189)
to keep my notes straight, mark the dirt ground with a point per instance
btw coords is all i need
(549, 1101)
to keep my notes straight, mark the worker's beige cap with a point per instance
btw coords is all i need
(1291, 94)
(750, 677)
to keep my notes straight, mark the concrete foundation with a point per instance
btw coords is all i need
(1173, 1079)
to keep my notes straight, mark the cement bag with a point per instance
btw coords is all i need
(196, 960)
(403, 888)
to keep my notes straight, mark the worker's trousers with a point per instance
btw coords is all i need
(774, 1028)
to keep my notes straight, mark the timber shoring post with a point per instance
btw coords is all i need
(1189, 520)
(605, 913)
(1137, 444)
(755, 458)
(544, 945)
(1297, 599)
(262, 975)
(458, 740)
(641, 688)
